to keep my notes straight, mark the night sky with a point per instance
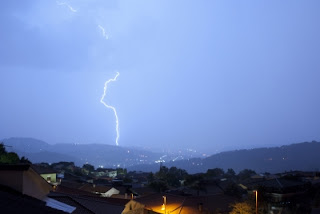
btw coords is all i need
(206, 75)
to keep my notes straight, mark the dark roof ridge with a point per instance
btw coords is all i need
(71, 198)
(15, 167)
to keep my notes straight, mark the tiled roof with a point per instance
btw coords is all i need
(80, 209)
(99, 206)
(118, 201)
(277, 183)
(122, 189)
(72, 191)
(88, 204)
(188, 204)
(95, 188)
(155, 201)
(12, 201)
(143, 191)
(208, 204)
(71, 184)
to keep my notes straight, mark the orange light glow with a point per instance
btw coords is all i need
(163, 207)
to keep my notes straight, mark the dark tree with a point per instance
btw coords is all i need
(127, 179)
(230, 173)
(159, 185)
(171, 177)
(44, 164)
(191, 179)
(246, 207)
(162, 172)
(2, 149)
(150, 177)
(63, 165)
(88, 167)
(216, 172)
(234, 190)
(245, 174)
(121, 171)
(196, 181)
(25, 160)
(9, 158)
(174, 176)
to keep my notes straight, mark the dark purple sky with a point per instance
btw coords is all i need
(206, 75)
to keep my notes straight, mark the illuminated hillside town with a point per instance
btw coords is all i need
(64, 187)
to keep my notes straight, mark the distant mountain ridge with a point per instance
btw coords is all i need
(300, 156)
(95, 154)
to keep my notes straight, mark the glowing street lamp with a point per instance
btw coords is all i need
(256, 192)
(164, 205)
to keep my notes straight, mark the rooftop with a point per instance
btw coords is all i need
(12, 201)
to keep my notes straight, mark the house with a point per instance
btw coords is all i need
(87, 201)
(12, 201)
(218, 203)
(25, 180)
(31, 193)
(155, 203)
(89, 204)
(142, 191)
(50, 175)
(31, 188)
(280, 188)
(111, 173)
(281, 192)
(174, 204)
(110, 192)
(94, 188)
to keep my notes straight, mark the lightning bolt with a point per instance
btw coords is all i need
(68, 5)
(111, 107)
(103, 32)
(106, 36)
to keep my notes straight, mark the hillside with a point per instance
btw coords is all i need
(301, 156)
(95, 154)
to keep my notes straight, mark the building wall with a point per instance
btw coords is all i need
(53, 177)
(133, 207)
(12, 179)
(27, 182)
(110, 192)
(112, 174)
(34, 185)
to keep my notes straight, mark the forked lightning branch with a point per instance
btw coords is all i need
(111, 107)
